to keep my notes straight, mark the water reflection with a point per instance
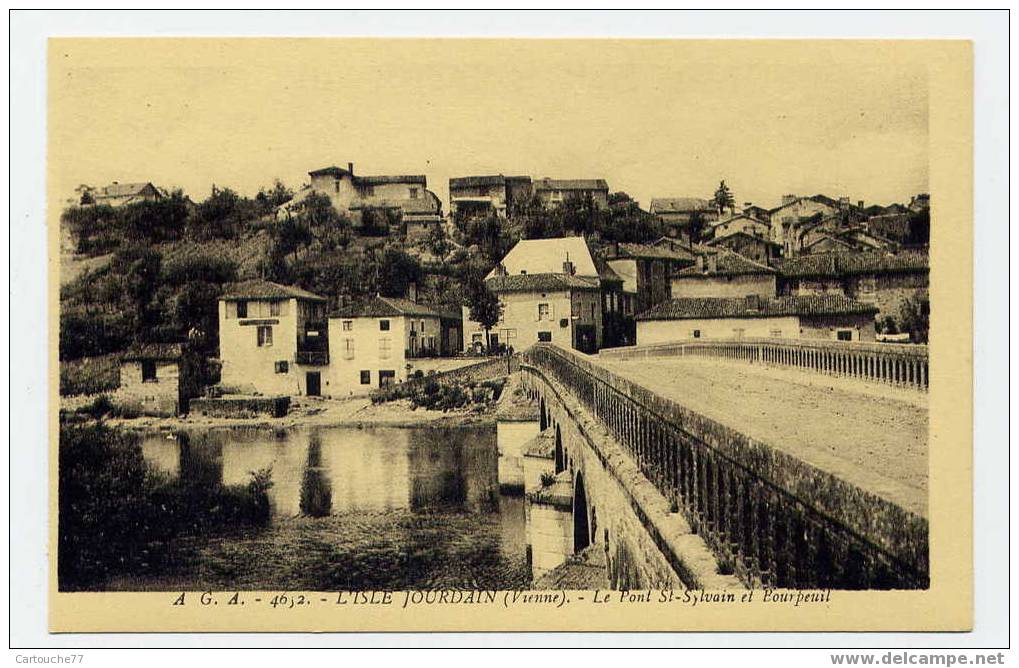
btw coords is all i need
(333, 471)
(356, 509)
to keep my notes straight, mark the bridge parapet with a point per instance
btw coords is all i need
(770, 517)
(902, 365)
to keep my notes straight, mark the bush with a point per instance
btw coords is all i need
(100, 407)
(89, 334)
(118, 516)
(89, 375)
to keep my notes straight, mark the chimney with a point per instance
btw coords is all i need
(786, 199)
(860, 203)
(350, 168)
(753, 302)
(713, 263)
(500, 270)
(568, 268)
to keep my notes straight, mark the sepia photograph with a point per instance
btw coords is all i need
(435, 322)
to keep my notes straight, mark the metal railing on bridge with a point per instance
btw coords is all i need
(770, 518)
(898, 364)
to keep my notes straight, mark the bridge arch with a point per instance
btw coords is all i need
(581, 521)
(560, 455)
(543, 415)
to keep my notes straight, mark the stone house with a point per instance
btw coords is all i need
(272, 339)
(882, 279)
(829, 317)
(159, 378)
(759, 249)
(719, 272)
(786, 218)
(553, 192)
(480, 196)
(553, 290)
(116, 194)
(646, 272)
(675, 214)
(739, 222)
(353, 195)
(376, 344)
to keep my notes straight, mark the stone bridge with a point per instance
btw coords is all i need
(645, 492)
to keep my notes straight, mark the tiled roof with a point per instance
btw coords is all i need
(740, 233)
(123, 189)
(382, 180)
(166, 352)
(847, 264)
(740, 307)
(680, 205)
(570, 184)
(729, 263)
(540, 283)
(739, 216)
(472, 181)
(645, 251)
(332, 170)
(381, 307)
(258, 289)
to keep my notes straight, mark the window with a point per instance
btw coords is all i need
(275, 309)
(414, 193)
(368, 191)
(366, 377)
(242, 309)
(844, 335)
(696, 334)
(422, 326)
(337, 185)
(544, 312)
(348, 349)
(545, 337)
(384, 348)
(283, 366)
(148, 371)
(264, 336)
(383, 325)
(564, 322)
(347, 325)
(592, 311)
(776, 333)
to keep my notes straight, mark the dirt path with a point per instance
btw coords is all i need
(876, 442)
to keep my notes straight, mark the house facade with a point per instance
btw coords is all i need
(554, 192)
(882, 279)
(158, 378)
(272, 339)
(759, 249)
(719, 272)
(646, 272)
(675, 214)
(116, 194)
(823, 317)
(553, 290)
(402, 196)
(480, 196)
(376, 344)
(787, 216)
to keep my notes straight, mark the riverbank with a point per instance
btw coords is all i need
(357, 412)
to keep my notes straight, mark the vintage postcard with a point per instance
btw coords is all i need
(510, 335)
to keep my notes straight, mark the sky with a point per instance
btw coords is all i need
(654, 118)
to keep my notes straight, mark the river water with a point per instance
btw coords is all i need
(352, 509)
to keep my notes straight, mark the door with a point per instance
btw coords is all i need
(313, 384)
(386, 378)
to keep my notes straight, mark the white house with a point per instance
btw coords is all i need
(272, 339)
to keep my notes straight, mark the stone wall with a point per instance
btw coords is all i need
(159, 396)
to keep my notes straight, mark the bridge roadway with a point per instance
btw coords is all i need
(873, 437)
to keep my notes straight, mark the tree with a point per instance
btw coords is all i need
(397, 270)
(723, 198)
(270, 198)
(920, 227)
(139, 265)
(438, 243)
(485, 309)
(914, 317)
